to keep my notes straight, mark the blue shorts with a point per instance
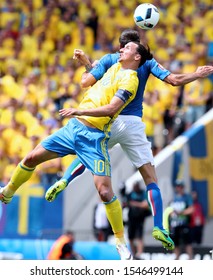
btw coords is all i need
(89, 144)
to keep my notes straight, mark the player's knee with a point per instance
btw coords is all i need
(105, 194)
(29, 160)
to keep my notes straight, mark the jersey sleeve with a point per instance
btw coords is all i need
(158, 70)
(103, 65)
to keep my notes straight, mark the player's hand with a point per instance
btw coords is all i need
(69, 112)
(81, 57)
(204, 71)
(78, 53)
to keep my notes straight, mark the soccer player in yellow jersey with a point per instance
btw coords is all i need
(87, 133)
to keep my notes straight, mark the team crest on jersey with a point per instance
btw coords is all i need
(160, 66)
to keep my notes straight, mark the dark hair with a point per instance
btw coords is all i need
(144, 52)
(128, 35)
(66, 251)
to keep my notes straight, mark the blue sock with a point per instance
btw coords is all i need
(75, 169)
(156, 204)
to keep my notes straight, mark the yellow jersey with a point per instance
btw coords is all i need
(115, 82)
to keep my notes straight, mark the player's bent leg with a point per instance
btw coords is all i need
(153, 193)
(24, 171)
(148, 173)
(155, 201)
(21, 174)
(114, 214)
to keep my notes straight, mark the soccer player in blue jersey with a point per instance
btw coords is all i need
(128, 129)
(87, 133)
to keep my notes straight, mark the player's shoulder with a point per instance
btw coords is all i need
(148, 64)
(111, 57)
(108, 60)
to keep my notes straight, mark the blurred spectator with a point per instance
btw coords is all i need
(153, 118)
(197, 220)
(138, 211)
(67, 252)
(50, 172)
(92, 22)
(196, 95)
(177, 220)
(149, 116)
(62, 248)
(167, 100)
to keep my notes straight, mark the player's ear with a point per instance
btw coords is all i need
(137, 57)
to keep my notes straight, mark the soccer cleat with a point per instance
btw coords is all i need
(124, 252)
(4, 199)
(55, 189)
(163, 236)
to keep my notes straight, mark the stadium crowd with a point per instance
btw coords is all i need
(38, 75)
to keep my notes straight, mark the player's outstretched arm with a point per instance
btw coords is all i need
(182, 79)
(102, 111)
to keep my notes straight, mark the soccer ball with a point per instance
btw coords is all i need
(146, 16)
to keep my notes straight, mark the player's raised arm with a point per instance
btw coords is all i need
(87, 79)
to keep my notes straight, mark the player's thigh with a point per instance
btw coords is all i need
(118, 132)
(133, 141)
(138, 151)
(61, 142)
(91, 146)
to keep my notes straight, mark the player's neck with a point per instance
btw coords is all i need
(132, 66)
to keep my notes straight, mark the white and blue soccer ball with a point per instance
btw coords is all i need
(146, 16)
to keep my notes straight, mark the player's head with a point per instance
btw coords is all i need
(133, 55)
(128, 35)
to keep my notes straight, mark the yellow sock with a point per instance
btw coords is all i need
(115, 217)
(20, 175)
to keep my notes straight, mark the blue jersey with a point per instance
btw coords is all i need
(150, 67)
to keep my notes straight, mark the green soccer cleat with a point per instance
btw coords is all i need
(163, 236)
(4, 199)
(55, 189)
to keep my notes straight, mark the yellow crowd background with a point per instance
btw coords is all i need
(38, 75)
